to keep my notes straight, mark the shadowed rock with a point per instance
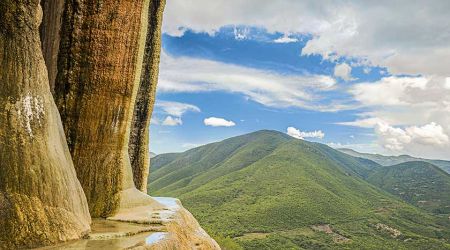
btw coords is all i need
(41, 200)
(139, 137)
(99, 70)
(50, 38)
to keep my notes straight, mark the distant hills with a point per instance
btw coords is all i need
(266, 190)
(393, 160)
(419, 183)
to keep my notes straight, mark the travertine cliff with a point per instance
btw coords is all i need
(41, 200)
(102, 59)
(99, 70)
(50, 38)
(139, 138)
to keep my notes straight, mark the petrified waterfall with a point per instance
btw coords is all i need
(101, 64)
(139, 137)
(99, 71)
(41, 200)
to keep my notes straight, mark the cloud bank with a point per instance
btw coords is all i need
(187, 74)
(408, 114)
(408, 37)
(296, 133)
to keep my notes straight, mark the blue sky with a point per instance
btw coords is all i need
(261, 52)
(341, 85)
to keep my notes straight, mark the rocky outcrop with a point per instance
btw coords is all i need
(41, 200)
(171, 228)
(99, 70)
(139, 137)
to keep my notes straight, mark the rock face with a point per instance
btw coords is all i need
(99, 70)
(41, 200)
(103, 61)
(50, 38)
(139, 137)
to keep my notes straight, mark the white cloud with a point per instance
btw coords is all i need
(186, 74)
(241, 33)
(176, 108)
(398, 108)
(155, 121)
(296, 133)
(174, 112)
(218, 122)
(367, 70)
(363, 123)
(343, 71)
(389, 90)
(371, 33)
(429, 134)
(172, 121)
(382, 33)
(411, 138)
(285, 39)
(447, 82)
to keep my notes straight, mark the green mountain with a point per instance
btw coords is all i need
(419, 183)
(266, 190)
(393, 160)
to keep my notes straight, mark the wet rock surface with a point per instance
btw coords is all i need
(170, 228)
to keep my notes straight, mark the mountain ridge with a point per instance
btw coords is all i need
(393, 160)
(268, 190)
(417, 182)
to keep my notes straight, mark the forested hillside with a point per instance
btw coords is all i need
(267, 190)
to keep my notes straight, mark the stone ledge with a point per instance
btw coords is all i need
(172, 227)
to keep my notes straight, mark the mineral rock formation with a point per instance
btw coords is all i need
(171, 228)
(41, 200)
(50, 39)
(99, 70)
(139, 138)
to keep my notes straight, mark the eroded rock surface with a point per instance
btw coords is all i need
(41, 200)
(99, 69)
(170, 228)
(99, 78)
(139, 137)
(50, 38)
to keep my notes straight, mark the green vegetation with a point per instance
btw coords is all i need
(393, 160)
(419, 183)
(266, 190)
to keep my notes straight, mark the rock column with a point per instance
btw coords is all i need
(41, 200)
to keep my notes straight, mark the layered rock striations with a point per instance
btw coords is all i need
(99, 70)
(102, 59)
(50, 36)
(139, 138)
(41, 200)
